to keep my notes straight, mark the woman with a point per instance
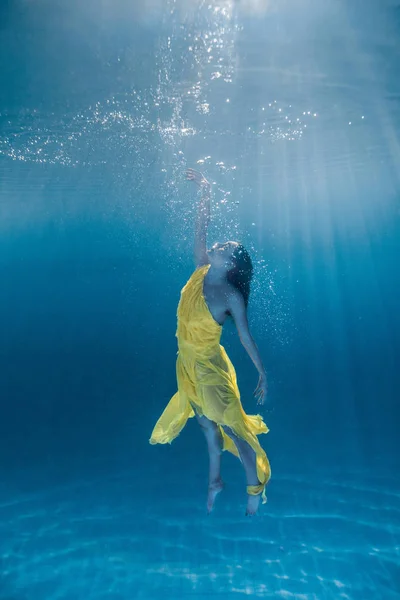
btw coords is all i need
(207, 386)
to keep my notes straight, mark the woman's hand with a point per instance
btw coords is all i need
(261, 389)
(198, 178)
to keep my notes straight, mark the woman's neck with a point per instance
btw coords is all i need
(216, 276)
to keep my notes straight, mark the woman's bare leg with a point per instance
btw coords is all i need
(214, 444)
(248, 458)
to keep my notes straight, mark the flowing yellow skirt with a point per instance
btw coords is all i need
(209, 386)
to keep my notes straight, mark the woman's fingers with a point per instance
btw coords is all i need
(260, 397)
(196, 176)
(260, 393)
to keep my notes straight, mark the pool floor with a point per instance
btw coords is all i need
(122, 538)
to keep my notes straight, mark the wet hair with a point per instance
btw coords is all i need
(241, 274)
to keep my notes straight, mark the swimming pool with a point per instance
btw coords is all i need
(292, 111)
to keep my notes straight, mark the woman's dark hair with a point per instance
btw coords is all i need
(241, 274)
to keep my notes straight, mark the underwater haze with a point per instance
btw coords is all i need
(292, 110)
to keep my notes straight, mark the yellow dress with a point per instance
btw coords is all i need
(207, 382)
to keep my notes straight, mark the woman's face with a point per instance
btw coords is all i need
(221, 255)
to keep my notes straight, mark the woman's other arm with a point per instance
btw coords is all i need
(238, 311)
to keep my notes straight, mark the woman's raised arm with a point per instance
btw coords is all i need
(203, 217)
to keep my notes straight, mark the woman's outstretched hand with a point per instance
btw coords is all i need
(198, 178)
(261, 389)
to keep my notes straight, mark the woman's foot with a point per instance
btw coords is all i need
(213, 490)
(252, 505)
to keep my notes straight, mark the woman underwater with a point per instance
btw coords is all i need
(207, 387)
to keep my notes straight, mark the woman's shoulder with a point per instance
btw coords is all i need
(233, 296)
(230, 289)
(203, 264)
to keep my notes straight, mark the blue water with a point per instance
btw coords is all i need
(292, 109)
